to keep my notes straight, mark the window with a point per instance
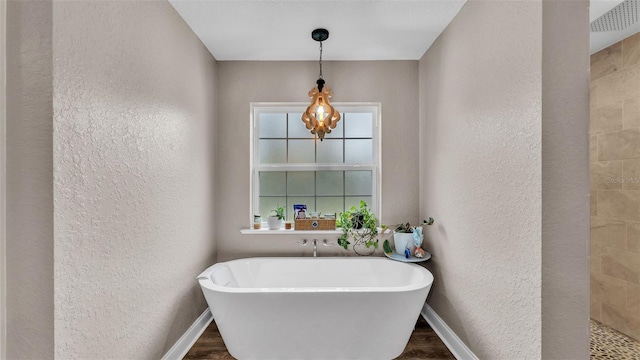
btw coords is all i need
(291, 166)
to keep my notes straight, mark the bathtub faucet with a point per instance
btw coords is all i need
(315, 245)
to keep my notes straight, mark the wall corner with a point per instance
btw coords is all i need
(565, 179)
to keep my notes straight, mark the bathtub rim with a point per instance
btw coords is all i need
(205, 281)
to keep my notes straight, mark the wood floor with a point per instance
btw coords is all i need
(424, 344)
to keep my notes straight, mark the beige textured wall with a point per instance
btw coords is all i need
(483, 157)
(29, 230)
(3, 186)
(480, 127)
(134, 120)
(615, 186)
(565, 179)
(394, 83)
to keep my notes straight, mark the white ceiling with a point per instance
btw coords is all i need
(359, 29)
(281, 30)
(601, 40)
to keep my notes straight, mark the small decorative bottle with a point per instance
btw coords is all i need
(257, 221)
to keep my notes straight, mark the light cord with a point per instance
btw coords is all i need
(320, 62)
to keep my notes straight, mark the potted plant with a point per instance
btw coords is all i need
(359, 225)
(407, 238)
(275, 221)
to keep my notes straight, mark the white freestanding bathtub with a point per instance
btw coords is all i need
(315, 308)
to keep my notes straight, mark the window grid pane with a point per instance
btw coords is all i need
(301, 151)
(273, 183)
(329, 183)
(358, 183)
(321, 191)
(273, 151)
(354, 131)
(358, 151)
(330, 151)
(351, 142)
(273, 126)
(358, 125)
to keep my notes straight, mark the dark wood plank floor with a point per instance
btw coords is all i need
(424, 344)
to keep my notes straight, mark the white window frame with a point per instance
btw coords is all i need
(268, 107)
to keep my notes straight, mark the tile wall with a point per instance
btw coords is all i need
(615, 186)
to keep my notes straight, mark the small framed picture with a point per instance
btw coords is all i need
(300, 211)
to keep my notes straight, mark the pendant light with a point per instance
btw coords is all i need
(320, 117)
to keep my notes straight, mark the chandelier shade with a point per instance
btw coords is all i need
(320, 117)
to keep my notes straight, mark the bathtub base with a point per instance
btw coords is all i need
(321, 322)
(316, 327)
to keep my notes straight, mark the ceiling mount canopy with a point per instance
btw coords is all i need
(320, 117)
(320, 34)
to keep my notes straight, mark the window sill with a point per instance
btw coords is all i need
(266, 231)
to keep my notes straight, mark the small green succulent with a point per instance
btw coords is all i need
(279, 210)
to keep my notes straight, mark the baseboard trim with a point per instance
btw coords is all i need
(457, 347)
(448, 337)
(186, 341)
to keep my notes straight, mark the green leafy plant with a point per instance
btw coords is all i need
(359, 225)
(405, 228)
(408, 228)
(279, 210)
